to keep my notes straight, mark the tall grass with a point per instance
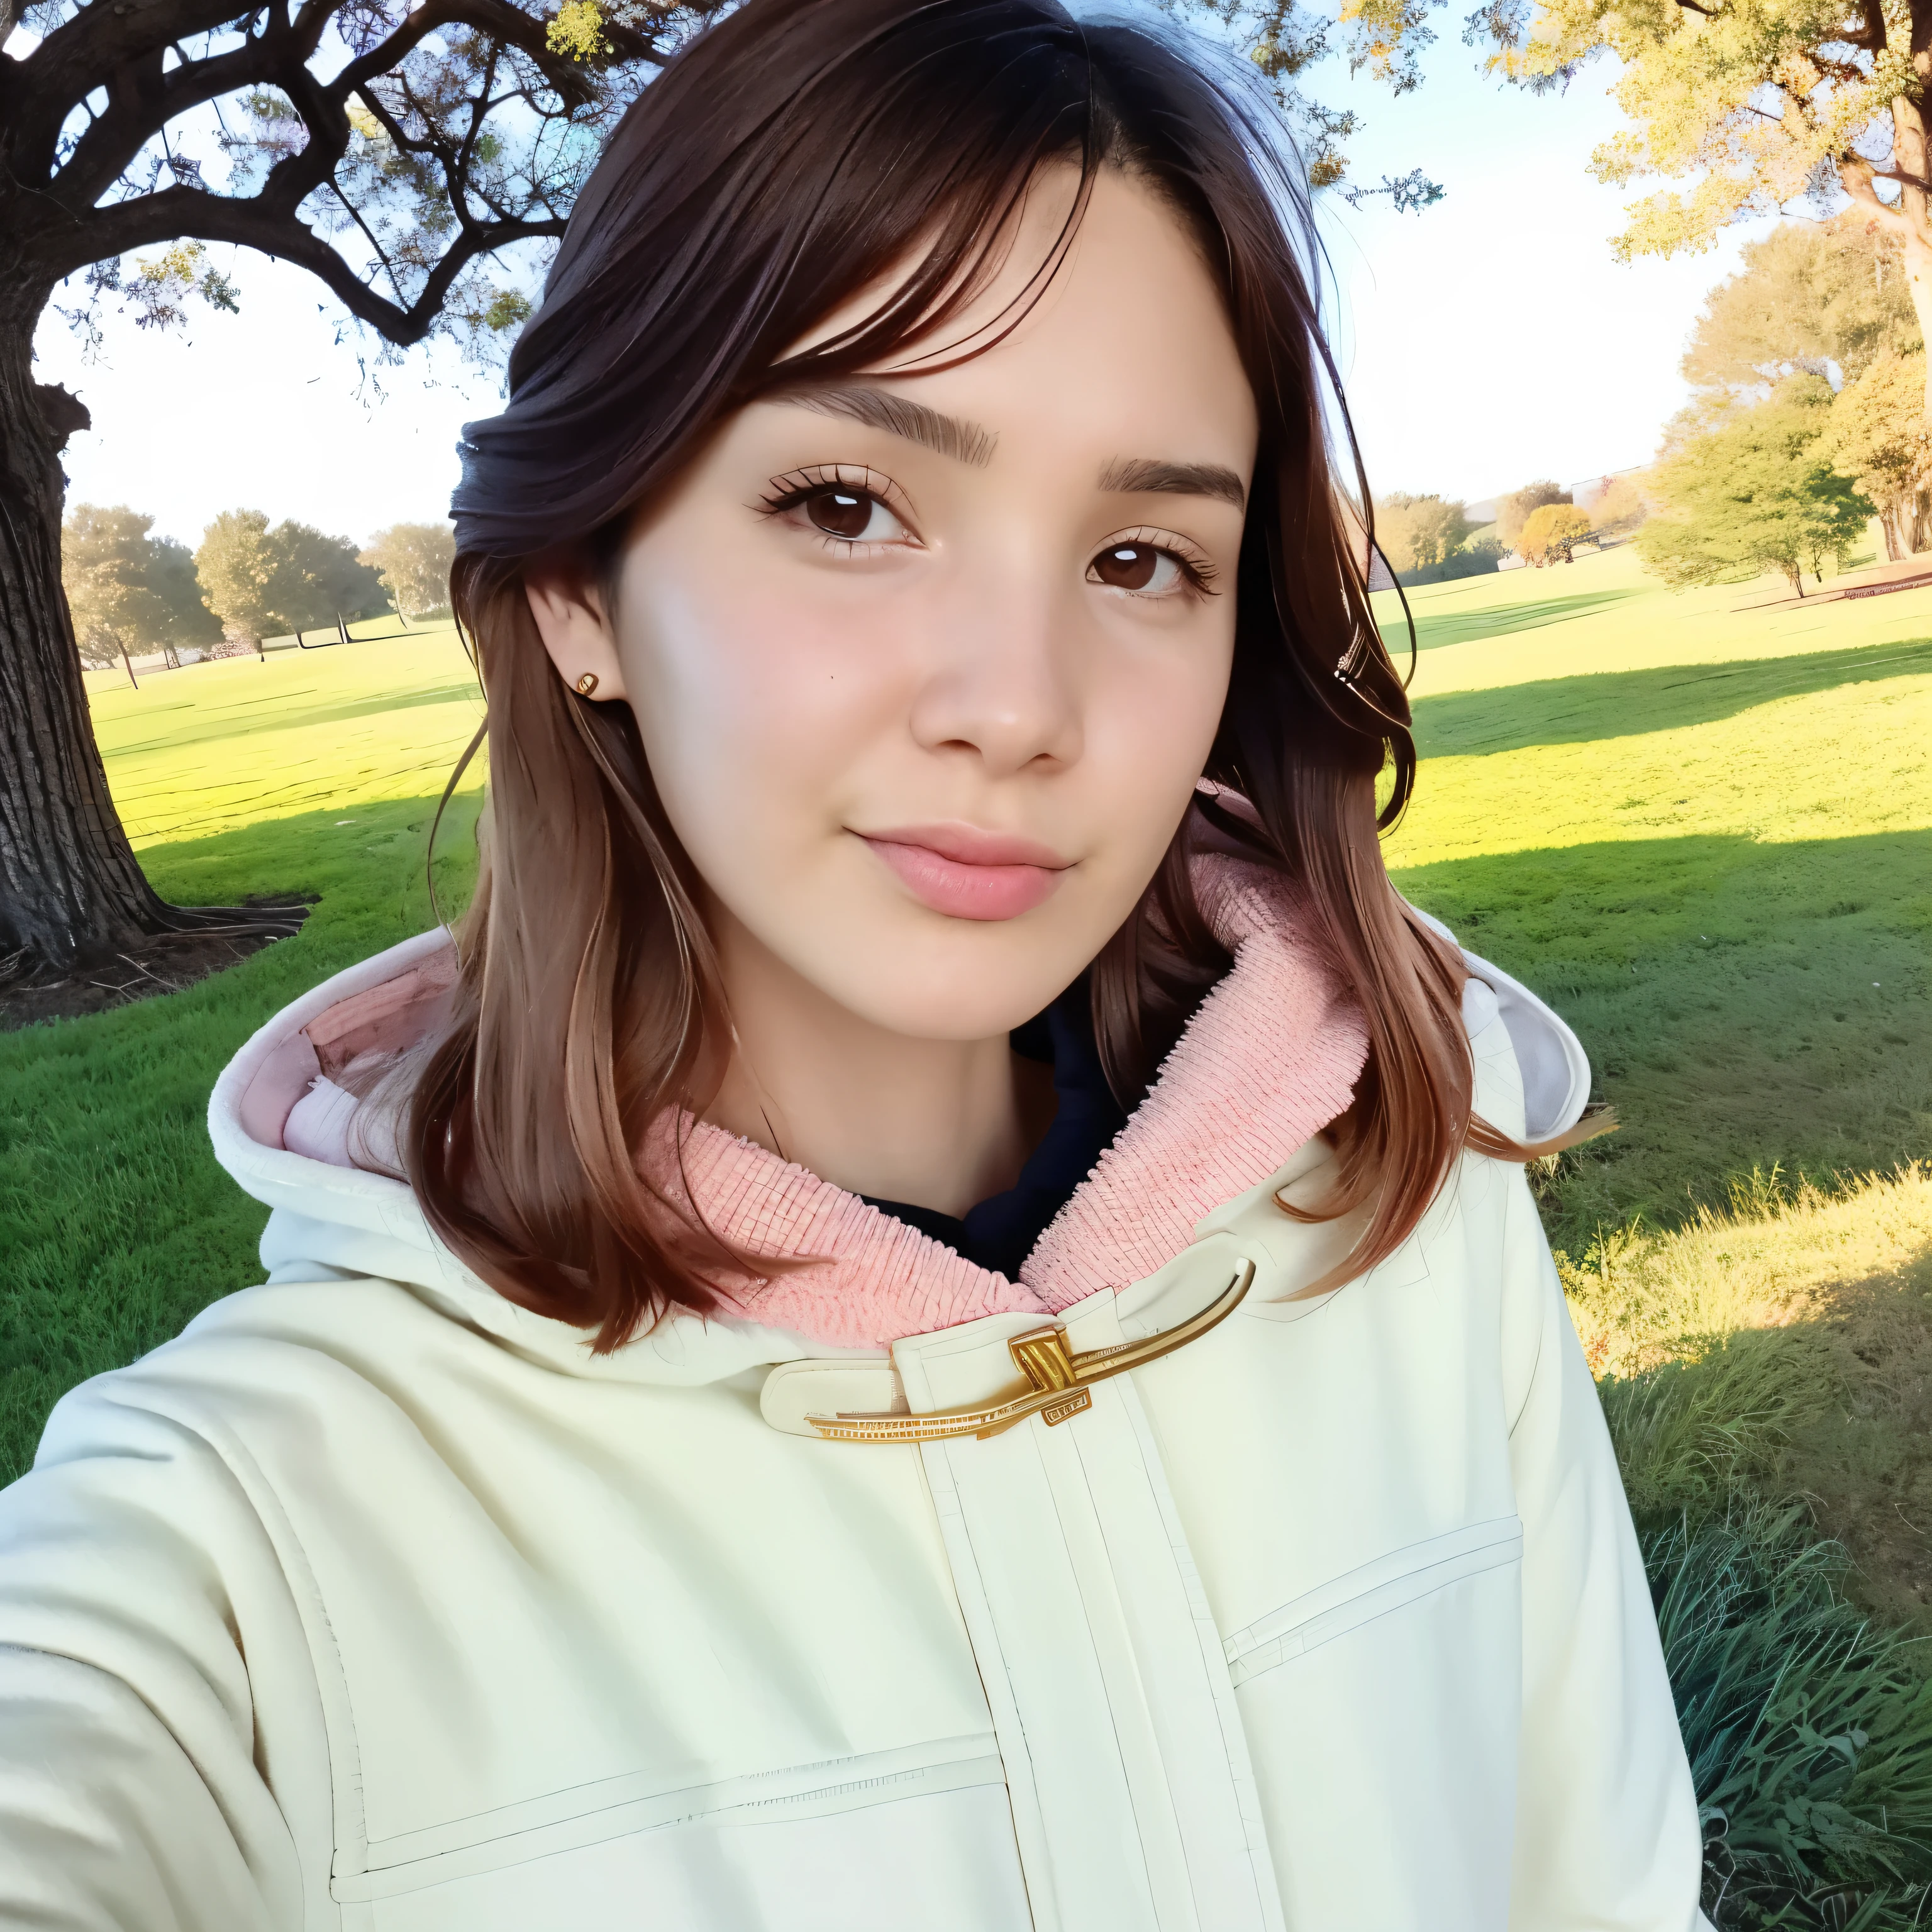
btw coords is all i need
(1741, 1356)
(1809, 1730)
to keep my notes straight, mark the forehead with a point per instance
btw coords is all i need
(1127, 342)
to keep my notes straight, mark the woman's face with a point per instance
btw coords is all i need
(927, 665)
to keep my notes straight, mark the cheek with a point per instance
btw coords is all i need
(751, 702)
(1149, 729)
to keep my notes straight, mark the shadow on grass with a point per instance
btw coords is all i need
(1465, 626)
(1615, 704)
(116, 1225)
(1746, 1005)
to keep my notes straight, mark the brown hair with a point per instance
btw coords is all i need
(795, 154)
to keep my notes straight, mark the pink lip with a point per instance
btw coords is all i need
(967, 873)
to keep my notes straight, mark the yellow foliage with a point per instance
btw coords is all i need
(1553, 531)
(578, 31)
(1748, 100)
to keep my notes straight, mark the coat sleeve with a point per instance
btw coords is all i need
(1607, 1836)
(143, 1614)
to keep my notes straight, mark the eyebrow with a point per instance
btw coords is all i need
(964, 442)
(1133, 474)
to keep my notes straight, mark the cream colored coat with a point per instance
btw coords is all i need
(374, 1602)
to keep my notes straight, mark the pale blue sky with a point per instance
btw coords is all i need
(1488, 339)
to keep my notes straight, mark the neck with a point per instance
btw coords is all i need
(938, 1124)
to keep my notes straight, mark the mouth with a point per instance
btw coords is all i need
(968, 873)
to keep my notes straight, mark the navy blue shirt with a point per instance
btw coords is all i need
(1000, 1232)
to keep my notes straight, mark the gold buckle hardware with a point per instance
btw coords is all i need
(1058, 1376)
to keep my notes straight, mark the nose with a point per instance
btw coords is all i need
(1001, 679)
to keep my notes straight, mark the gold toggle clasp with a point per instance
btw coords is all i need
(1058, 1376)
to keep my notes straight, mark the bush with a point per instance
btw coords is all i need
(1809, 1733)
(1472, 560)
(1551, 533)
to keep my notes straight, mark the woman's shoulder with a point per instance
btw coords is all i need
(1530, 1061)
(278, 1355)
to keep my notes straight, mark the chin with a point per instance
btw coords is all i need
(973, 983)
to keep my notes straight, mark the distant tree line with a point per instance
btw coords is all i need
(1429, 534)
(1427, 539)
(132, 593)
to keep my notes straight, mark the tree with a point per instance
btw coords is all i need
(1620, 509)
(1759, 493)
(1550, 533)
(171, 575)
(1513, 511)
(317, 579)
(105, 567)
(1878, 435)
(1415, 531)
(415, 561)
(393, 151)
(1810, 295)
(237, 566)
(1758, 104)
(129, 591)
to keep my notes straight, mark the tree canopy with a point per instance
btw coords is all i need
(1758, 106)
(1810, 294)
(262, 582)
(104, 565)
(1414, 532)
(1878, 435)
(414, 561)
(1620, 509)
(1515, 510)
(1551, 533)
(390, 151)
(1760, 493)
(129, 591)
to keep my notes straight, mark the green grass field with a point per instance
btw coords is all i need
(1706, 838)
(1705, 835)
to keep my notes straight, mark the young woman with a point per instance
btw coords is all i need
(929, 1317)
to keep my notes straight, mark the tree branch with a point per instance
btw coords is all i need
(255, 223)
(81, 54)
(1870, 34)
(135, 116)
(1855, 175)
(494, 18)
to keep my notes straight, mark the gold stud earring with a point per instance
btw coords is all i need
(586, 684)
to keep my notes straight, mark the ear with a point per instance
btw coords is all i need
(571, 620)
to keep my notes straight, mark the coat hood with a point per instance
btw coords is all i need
(1271, 1057)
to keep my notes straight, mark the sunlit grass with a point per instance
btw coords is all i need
(235, 740)
(1706, 837)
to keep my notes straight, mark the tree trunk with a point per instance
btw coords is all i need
(1887, 523)
(72, 893)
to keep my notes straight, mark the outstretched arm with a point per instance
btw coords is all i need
(144, 1618)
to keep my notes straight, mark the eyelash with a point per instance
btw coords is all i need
(797, 486)
(787, 492)
(1199, 573)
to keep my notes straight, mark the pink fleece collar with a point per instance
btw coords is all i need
(1269, 1059)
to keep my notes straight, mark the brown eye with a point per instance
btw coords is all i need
(1127, 566)
(841, 512)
